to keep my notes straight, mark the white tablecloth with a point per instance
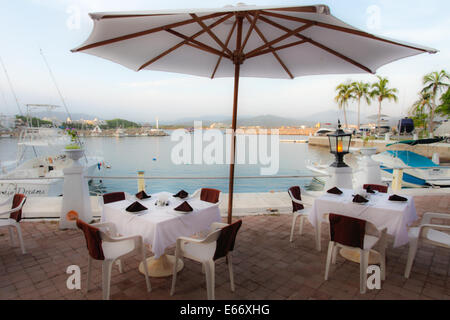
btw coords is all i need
(395, 216)
(161, 226)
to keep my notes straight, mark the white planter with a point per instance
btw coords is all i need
(75, 155)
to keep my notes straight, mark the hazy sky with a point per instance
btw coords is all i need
(95, 86)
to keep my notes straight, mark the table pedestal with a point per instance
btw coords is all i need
(161, 267)
(353, 255)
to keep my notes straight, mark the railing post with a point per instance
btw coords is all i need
(397, 179)
(141, 181)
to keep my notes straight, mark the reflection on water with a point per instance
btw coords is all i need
(128, 155)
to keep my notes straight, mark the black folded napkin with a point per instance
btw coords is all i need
(369, 189)
(335, 191)
(135, 207)
(360, 199)
(142, 195)
(181, 194)
(397, 198)
(185, 207)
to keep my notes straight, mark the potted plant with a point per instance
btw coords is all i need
(74, 149)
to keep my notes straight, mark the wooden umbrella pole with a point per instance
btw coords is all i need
(237, 60)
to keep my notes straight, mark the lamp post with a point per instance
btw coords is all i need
(341, 175)
(339, 146)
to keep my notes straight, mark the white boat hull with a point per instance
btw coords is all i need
(39, 187)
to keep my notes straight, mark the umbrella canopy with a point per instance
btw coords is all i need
(241, 41)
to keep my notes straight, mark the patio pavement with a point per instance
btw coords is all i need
(266, 266)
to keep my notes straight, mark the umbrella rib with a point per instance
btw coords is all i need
(226, 43)
(263, 38)
(338, 28)
(250, 30)
(197, 44)
(296, 43)
(145, 32)
(211, 34)
(185, 42)
(319, 45)
(281, 38)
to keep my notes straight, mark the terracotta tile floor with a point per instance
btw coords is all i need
(266, 266)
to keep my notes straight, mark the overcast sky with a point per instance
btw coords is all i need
(104, 89)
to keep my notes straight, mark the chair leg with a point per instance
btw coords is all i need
(413, 244)
(89, 272)
(106, 275)
(212, 285)
(19, 235)
(174, 273)
(230, 270)
(302, 219)
(329, 256)
(294, 219)
(335, 251)
(363, 264)
(208, 280)
(144, 262)
(119, 265)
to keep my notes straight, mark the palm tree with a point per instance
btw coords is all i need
(434, 84)
(381, 91)
(344, 94)
(361, 91)
(420, 107)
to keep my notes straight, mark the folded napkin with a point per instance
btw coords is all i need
(135, 207)
(360, 199)
(397, 198)
(335, 191)
(181, 194)
(142, 195)
(185, 207)
(369, 189)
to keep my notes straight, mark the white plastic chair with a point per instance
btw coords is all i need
(369, 242)
(204, 251)
(429, 233)
(303, 214)
(114, 248)
(14, 217)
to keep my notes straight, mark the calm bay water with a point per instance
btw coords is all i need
(127, 155)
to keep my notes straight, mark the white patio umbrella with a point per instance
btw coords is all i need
(241, 41)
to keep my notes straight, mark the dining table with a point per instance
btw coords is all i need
(160, 226)
(395, 216)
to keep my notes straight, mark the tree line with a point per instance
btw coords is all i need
(423, 111)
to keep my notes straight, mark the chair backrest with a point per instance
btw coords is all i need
(296, 193)
(210, 195)
(377, 187)
(18, 202)
(113, 197)
(347, 231)
(226, 240)
(92, 236)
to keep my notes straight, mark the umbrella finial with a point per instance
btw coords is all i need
(339, 124)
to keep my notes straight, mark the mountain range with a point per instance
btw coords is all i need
(268, 121)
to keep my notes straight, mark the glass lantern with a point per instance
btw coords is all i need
(339, 146)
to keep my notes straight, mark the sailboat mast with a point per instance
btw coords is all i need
(11, 87)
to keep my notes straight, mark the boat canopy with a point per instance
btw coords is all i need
(412, 159)
(416, 142)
